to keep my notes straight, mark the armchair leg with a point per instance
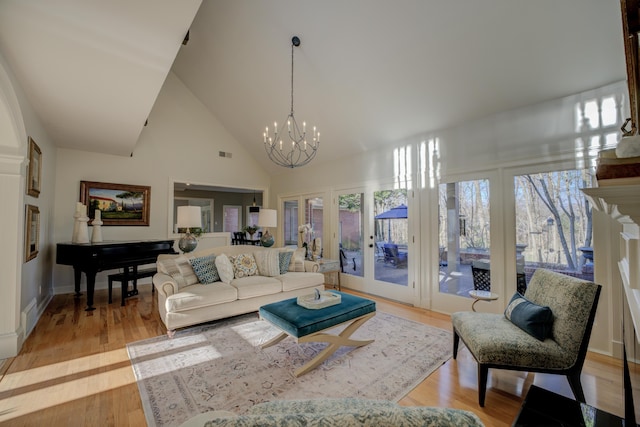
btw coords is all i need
(576, 387)
(456, 341)
(483, 373)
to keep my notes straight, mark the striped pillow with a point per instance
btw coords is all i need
(268, 263)
(180, 270)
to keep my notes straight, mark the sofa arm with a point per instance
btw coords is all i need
(165, 284)
(311, 266)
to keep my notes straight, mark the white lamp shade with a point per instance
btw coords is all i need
(268, 218)
(189, 217)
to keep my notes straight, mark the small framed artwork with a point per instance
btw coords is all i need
(34, 172)
(32, 232)
(119, 204)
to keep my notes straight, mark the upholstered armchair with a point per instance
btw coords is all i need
(497, 342)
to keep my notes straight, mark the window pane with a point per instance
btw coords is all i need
(350, 217)
(553, 224)
(391, 236)
(290, 222)
(464, 236)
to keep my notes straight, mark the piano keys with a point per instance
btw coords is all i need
(91, 258)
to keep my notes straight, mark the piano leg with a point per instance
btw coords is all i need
(77, 274)
(91, 285)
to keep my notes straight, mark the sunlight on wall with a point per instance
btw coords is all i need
(596, 116)
(402, 171)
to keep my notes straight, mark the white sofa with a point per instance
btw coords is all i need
(184, 301)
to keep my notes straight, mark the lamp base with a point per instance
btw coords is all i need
(267, 240)
(187, 243)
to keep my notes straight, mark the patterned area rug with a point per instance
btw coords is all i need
(221, 366)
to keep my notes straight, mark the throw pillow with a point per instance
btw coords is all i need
(268, 262)
(225, 269)
(285, 260)
(205, 269)
(297, 260)
(536, 320)
(179, 269)
(244, 265)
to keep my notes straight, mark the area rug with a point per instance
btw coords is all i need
(220, 366)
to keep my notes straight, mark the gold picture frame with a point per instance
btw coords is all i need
(119, 204)
(32, 232)
(34, 171)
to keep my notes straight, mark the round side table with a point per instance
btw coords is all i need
(482, 296)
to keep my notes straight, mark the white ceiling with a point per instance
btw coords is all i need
(93, 69)
(368, 72)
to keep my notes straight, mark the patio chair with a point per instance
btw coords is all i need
(380, 252)
(559, 348)
(481, 278)
(393, 256)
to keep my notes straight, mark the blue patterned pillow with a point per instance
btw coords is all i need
(536, 320)
(285, 260)
(205, 269)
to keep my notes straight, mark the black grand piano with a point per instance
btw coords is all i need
(94, 257)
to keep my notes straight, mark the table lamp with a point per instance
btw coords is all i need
(188, 217)
(267, 218)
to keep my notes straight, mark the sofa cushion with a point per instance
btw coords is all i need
(198, 295)
(293, 280)
(536, 320)
(297, 260)
(268, 262)
(225, 269)
(285, 260)
(244, 265)
(180, 270)
(205, 269)
(255, 286)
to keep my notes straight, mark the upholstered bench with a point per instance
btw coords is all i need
(125, 278)
(308, 325)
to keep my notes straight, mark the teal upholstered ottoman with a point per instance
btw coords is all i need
(307, 325)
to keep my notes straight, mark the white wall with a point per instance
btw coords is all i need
(532, 136)
(26, 287)
(181, 142)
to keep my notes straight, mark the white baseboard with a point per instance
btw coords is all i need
(10, 344)
(31, 314)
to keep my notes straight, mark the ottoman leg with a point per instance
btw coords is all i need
(335, 342)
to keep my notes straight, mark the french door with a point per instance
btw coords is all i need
(374, 242)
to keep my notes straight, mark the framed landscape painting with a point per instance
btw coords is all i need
(119, 204)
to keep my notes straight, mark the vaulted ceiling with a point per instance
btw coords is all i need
(368, 72)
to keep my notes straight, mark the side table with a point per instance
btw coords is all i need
(330, 266)
(545, 408)
(482, 296)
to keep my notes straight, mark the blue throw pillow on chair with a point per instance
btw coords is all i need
(536, 320)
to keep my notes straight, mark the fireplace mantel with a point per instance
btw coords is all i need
(622, 202)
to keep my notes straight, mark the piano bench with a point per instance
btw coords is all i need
(132, 276)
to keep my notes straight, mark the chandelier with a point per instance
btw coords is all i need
(296, 150)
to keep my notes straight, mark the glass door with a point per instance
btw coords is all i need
(351, 237)
(290, 222)
(390, 257)
(464, 240)
(374, 242)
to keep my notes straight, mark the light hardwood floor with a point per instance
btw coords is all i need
(73, 369)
